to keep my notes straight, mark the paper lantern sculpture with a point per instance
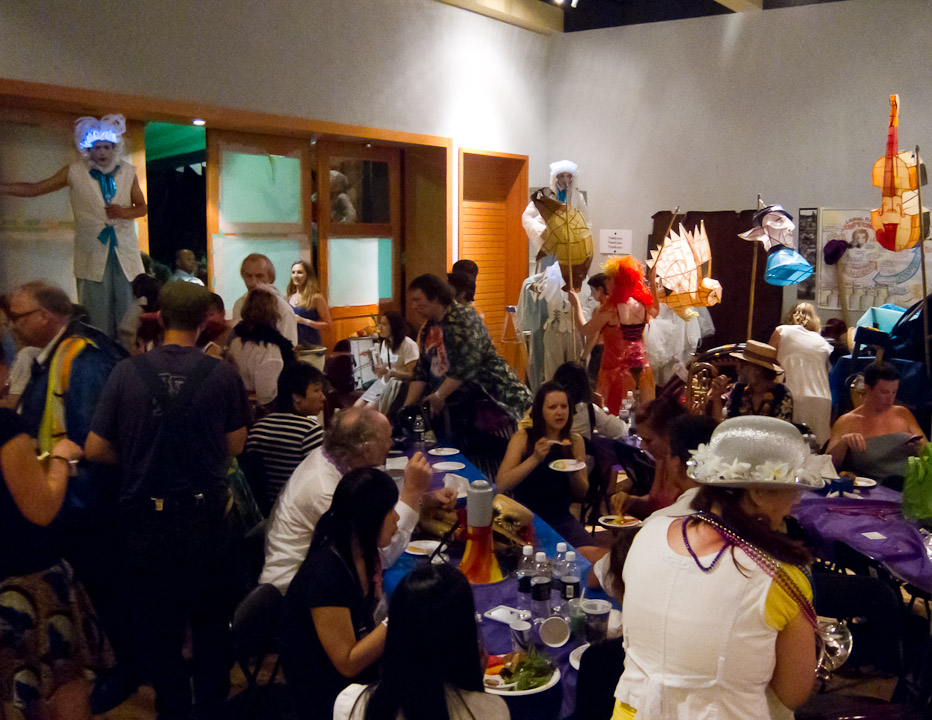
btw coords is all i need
(681, 272)
(785, 266)
(897, 221)
(773, 227)
(567, 236)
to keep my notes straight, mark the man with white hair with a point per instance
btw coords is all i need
(564, 178)
(258, 270)
(357, 437)
(106, 199)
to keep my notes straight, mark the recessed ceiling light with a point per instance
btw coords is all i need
(198, 122)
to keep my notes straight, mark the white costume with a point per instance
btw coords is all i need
(533, 223)
(804, 354)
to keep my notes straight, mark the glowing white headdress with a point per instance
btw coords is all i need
(88, 130)
(562, 166)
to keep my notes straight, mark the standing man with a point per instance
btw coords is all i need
(258, 270)
(171, 419)
(106, 200)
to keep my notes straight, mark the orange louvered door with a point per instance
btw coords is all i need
(493, 194)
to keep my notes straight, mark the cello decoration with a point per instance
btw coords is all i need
(898, 222)
(681, 269)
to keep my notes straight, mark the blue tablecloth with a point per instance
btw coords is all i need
(495, 635)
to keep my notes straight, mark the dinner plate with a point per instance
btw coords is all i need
(422, 548)
(567, 465)
(618, 521)
(554, 679)
(448, 466)
(443, 451)
(864, 482)
(576, 656)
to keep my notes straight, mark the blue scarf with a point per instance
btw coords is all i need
(561, 195)
(107, 190)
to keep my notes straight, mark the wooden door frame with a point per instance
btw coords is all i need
(515, 273)
(85, 101)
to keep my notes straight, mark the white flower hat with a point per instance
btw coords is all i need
(755, 450)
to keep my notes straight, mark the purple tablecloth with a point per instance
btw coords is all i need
(495, 635)
(901, 549)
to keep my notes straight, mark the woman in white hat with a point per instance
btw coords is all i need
(757, 391)
(718, 618)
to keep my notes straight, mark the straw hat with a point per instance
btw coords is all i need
(755, 450)
(758, 353)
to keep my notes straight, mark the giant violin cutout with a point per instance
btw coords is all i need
(897, 221)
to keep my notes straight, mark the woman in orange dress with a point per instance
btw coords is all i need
(621, 318)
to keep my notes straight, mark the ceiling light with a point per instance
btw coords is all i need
(573, 3)
(198, 122)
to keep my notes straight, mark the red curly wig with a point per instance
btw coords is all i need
(629, 281)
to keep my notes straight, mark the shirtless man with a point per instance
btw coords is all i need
(878, 415)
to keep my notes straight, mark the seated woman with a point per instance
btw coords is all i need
(42, 669)
(718, 610)
(393, 362)
(757, 392)
(448, 673)
(526, 470)
(258, 349)
(329, 634)
(687, 433)
(309, 304)
(877, 438)
(589, 417)
(653, 422)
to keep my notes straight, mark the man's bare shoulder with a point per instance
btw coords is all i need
(848, 420)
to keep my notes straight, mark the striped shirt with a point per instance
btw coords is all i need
(282, 441)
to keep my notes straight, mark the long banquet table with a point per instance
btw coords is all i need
(495, 635)
(872, 524)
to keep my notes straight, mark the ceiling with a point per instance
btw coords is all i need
(594, 14)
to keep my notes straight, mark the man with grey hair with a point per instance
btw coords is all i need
(257, 270)
(358, 437)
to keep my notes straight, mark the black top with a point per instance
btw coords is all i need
(324, 580)
(130, 417)
(24, 548)
(547, 492)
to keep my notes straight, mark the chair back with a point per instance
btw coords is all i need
(254, 629)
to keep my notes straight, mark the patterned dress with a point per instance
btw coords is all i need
(459, 347)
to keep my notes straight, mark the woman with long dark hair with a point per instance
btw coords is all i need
(718, 617)
(330, 635)
(258, 349)
(527, 473)
(393, 361)
(309, 304)
(448, 674)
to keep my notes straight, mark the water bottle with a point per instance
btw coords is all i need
(570, 580)
(525, 573)
(629, 400)
(558, 560)
(540, 588)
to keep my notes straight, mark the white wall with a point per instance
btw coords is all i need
(706, 113)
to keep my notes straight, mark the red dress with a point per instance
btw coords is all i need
(624, 351)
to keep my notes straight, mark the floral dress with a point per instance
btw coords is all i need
(458, 346)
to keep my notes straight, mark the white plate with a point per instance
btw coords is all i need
(554, 679)
(448, 466)
(567, 465)
(611, 521)
(422, 548)
(443, 451)
(864, 482)
(576, 656)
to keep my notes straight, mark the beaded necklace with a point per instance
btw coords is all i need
(764, 561)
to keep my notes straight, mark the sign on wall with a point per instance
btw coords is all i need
(615, 242)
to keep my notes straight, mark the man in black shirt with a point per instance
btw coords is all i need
(171, 419)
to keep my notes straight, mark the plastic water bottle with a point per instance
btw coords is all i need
(629, 400)
(558, 560)
(570, 579)
(540, 587)
(525, 574)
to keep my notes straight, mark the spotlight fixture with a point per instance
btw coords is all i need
(198, 122)
(573, 3)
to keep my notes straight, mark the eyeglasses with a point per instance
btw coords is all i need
(16, 317)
